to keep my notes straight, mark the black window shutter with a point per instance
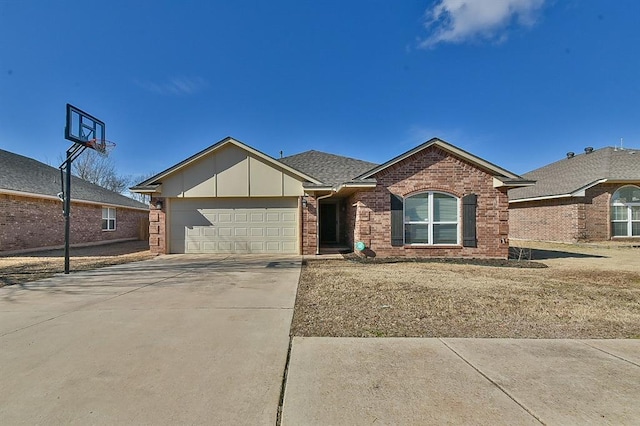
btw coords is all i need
(469, 204)
(397, 221)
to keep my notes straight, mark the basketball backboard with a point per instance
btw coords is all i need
(82, 128)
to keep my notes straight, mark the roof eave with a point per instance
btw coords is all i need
(499, 182)
(147, 189)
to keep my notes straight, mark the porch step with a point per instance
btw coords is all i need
(335, 249)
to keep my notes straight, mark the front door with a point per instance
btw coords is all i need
(328, 223)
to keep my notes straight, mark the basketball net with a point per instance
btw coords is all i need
(102, 146)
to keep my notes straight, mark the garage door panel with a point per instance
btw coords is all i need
(209, 246)
(192, 232)
(257, 232)
(241, 246)
(225, 232)
(272, 247)
(234, 225)
(224, 246)
(288, 247)
(273, 217)
(257, 246)
(288, 217)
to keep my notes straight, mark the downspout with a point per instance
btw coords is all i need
(318, 219)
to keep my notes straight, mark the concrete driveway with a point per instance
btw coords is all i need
(174, 340)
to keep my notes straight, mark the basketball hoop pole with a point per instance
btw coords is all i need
(72, 153)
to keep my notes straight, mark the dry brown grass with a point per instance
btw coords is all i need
(345, 298)
(18, 269)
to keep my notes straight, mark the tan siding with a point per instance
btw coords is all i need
(172, 186)
(232, 165)
(265, 181)
(291, 186)
(200, 179)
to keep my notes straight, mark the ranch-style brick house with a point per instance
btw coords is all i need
(31, 213)
(593, 196)
(435, 200)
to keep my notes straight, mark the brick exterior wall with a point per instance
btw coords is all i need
(28, 223)
(598, 211)
(565, 219)
(560, 219)
(429, 170)
(157, 227)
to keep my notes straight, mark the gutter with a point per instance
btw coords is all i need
(549, 197)
(354, 185)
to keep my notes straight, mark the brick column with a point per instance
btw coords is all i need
(157, 227)
(309, 226)
(362, 229)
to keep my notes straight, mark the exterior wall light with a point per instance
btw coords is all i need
(304, 202)
(159, 204)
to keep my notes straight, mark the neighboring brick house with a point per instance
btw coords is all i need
(594, 196)
(31, 213)
(435, 200)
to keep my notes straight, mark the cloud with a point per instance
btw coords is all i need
(459, 21)
(176, 86)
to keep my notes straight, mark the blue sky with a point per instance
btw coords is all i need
(516, 82)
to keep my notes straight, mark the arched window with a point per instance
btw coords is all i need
(625, 212)
(431, 218)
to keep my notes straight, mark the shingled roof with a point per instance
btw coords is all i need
(26, 175)
(570, 176)
(329, 168)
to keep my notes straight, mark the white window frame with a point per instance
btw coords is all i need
(430, 221)
(109, 217)
(629, 220)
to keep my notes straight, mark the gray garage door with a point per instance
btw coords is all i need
(234, 225)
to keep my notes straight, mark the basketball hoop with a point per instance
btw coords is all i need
(102, 146)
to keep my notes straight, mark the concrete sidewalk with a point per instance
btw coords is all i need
(404, 381)
(174, 340)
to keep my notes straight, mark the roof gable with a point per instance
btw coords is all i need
(155, 180)
(571, 176)
(505, 175)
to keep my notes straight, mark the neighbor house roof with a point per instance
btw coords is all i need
(330, 169)
(25, 176)
(571, 176)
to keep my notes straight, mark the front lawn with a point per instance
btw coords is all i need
(346, 298)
